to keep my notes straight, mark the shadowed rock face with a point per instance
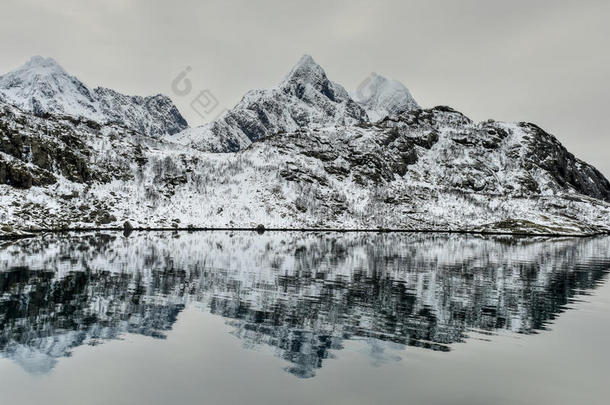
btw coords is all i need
(425, 152)
(548, 153)
(303, 294)
(491, 157)
(50, 146)
(154, 115)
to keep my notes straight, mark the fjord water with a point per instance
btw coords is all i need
(342, 318)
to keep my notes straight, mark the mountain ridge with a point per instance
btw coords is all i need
(305, 98)
(302, 154)
(42, 86)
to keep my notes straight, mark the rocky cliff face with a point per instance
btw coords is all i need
(43, 87)
(308, 156)
(153, 115)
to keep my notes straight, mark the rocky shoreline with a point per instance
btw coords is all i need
(11, 235)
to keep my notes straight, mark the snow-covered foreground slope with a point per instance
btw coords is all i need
(425, 169)
(42, 86)
(302, 294)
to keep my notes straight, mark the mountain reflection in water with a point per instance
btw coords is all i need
(303, 294)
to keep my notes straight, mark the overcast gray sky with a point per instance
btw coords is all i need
(541, 61)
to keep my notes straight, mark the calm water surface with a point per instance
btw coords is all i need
(301, 318)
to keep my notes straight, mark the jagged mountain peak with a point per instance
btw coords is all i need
(42, 64)
(305, 98)
(381, 97)
(308, 73)
(306, 61)
(42, 86)
(39, 72)
(306, 70)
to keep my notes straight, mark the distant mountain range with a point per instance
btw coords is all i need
(303, 154)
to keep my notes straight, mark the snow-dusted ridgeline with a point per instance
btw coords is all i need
(41, 86)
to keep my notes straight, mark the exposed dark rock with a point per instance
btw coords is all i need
(546, 152)
(105, 218)
(17, 174)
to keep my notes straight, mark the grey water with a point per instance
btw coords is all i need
(303, 318)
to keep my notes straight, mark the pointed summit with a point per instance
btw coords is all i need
(42, 64)
(307, 73)
(306, 98)
(305, 62)
(306, 69)
(381, 97)
(42, 86)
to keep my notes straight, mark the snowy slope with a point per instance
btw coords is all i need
(423, 170)
(381, 97)
(42, 86)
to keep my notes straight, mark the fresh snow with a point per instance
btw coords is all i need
(381, 97)
(42, 86)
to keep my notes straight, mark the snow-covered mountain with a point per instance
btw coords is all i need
(381, 97)
(306, 98)
(308, 156)
(42, 86)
